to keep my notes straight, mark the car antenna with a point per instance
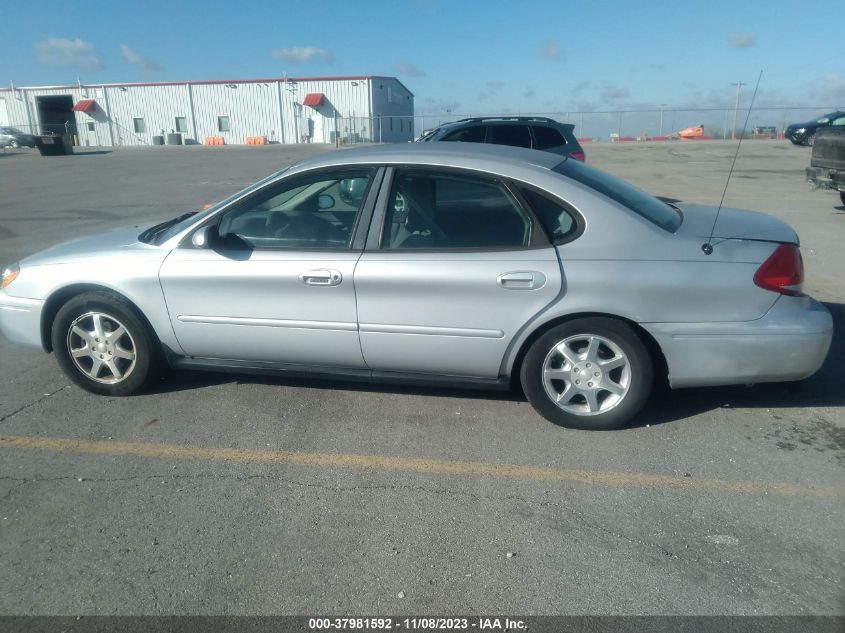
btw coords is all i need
(707, 247)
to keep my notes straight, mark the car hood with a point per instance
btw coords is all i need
(92, 246)
(734, 224)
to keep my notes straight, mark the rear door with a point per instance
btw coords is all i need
(455, 265)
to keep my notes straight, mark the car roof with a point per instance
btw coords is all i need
(485, 157)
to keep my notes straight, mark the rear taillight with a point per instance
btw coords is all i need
(578, 155)
(783, 272)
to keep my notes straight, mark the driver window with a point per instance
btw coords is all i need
(312, 211)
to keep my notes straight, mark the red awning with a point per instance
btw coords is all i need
(86, 105)
(313, 99)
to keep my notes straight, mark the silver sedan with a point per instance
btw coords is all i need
(449, 264)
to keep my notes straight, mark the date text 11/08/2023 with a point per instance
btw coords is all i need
(416, 624)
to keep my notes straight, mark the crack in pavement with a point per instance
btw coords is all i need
(32, 404)
(563, 509)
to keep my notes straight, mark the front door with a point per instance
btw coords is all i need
(461, 265)
(277, 287)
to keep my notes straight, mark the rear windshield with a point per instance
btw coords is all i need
(639, 202)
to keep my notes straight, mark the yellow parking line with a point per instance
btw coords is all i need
(421, 466)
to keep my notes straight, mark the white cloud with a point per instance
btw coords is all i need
(550, 50)
(611, 92)
(740, 40)
(833, 87)
(147, 65)
(409, 69)
(301, 54)
(60, 52)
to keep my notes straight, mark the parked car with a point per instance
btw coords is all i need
(460, 265)
(539, 133)
(805, 133)
(827, 162)
(13, 137)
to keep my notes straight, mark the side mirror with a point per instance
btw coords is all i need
(325, 201)
(205, 237)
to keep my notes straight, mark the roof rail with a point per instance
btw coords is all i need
(541, 119)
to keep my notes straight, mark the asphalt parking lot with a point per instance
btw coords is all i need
(237, 494)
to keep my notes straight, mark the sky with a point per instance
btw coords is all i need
(456, 55)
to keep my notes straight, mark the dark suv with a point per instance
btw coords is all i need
(805, 133)
(534, 132)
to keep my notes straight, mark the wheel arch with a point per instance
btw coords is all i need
(661, 367)
(61, 296)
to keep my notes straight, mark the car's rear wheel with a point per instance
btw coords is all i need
(102, 345)
(592, 373)
(14, 144)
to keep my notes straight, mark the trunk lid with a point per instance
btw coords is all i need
(734, 224)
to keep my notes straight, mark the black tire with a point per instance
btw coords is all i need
(138, 340)
(810, 139)
(637, 378)
(842, 197)
(14, 144)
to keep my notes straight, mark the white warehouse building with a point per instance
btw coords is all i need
(281, 110)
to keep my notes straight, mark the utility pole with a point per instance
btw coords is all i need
(662, 106)
(739, 86)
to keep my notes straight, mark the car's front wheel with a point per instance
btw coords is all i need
(592, 373)
(14, 144)
(810, 139)
(102, 345)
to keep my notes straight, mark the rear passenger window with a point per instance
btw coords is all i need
(467, 135)
(546, 137)
(515, 135)
(555, 217)
(433, 210)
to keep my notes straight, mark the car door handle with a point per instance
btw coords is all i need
(521, 280)
(322, 277)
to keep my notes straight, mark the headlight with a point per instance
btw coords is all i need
(800, 130)
(10, 273)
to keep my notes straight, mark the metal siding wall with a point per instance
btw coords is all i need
(401, 108)
(157, 105)
(252, 110)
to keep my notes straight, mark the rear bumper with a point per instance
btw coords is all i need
(790, 342)
(20, 320)
(824, 178)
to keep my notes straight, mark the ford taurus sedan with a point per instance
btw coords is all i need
(435, 263)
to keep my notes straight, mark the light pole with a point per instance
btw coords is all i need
(739, 86)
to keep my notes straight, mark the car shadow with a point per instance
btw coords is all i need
(824, 389)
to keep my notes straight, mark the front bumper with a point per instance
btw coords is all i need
(823, 178)
(790, 342)
(20, 320)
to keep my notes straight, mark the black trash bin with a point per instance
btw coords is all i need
(49, 145)
(158, 139)
(174, 139)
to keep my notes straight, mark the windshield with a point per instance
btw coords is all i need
(641, 203)
(426, 136)
(189, 220)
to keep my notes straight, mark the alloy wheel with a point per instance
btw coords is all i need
(101, 347)
(586, 374)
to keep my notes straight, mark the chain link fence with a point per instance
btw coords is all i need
(665, 123)
(590, 126)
